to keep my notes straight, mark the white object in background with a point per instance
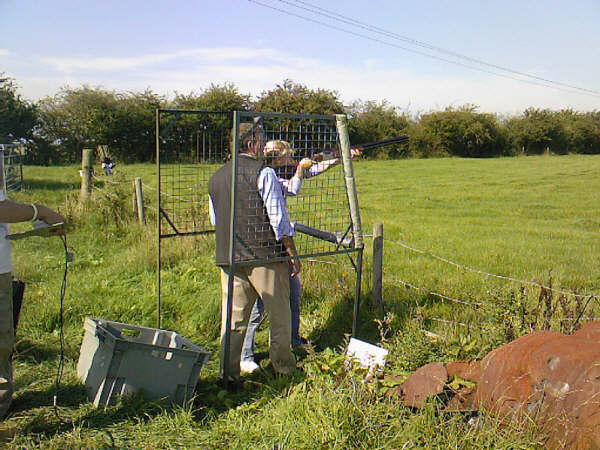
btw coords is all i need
(369, 356)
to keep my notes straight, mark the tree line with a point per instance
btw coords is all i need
(56, 128)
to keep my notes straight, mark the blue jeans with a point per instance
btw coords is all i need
(256, 317)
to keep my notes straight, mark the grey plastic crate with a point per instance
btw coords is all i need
(118, 359)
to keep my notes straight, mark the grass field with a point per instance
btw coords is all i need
(535, 219)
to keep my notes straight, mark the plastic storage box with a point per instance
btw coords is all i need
(118, 359)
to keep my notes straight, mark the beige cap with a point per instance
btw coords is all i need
(278, 149)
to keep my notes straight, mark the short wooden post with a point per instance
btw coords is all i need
(134, 199)
(87, 166)
(376, 293)
(140, 201)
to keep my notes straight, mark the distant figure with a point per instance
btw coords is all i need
(107, 164)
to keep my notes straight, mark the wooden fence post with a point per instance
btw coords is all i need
(376, 293)
(87, 166)
(134, 199)
(139, 194)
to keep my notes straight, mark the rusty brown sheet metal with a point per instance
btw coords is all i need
(426, 381)
(547, 377)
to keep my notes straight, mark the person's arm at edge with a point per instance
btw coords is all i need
(13, 212)
(320, 167)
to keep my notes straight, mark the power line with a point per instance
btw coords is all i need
(348, 20)
(546, 84)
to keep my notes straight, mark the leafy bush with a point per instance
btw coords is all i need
(57, 128)
(371, 121)
(457, 132)
(291, 97)
(17, 116)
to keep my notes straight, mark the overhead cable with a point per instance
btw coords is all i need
(581, 91)
(348, 20)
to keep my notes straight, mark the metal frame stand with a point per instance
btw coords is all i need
(339, 126)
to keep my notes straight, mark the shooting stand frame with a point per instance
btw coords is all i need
(178, 202)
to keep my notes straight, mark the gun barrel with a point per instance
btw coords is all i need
(367, 146)
(382, 143)
(328, 236)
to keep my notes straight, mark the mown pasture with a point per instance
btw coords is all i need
(535, 219)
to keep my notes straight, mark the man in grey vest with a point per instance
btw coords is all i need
(262, 231)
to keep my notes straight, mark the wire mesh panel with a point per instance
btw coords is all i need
(269, 176)
(191, 146)
(13, 167)
(297, 154)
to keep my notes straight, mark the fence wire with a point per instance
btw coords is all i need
(488, 274)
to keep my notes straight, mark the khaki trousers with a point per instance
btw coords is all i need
(7, 341)
(271, 283)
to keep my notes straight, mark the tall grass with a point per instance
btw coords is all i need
(531, 218)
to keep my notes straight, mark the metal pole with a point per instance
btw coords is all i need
(376, 292)
(342, 128)
(227, 338)
(2, 173)
(359, 263)
(158, 219)
(21, 170)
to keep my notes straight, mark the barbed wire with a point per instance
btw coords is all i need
(436, 294)
(178, 197)
(108, 194)
(489, 274)
(450, 322)
(106, 180)
(152, 188)
(323, 261)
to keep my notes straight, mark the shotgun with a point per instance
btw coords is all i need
(328, 154)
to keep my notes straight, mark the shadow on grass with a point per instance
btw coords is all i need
(50, 185)
(69, 396)
(40, 423)
(263, 384)
(338, 326)
(399, 302)
(26, 350)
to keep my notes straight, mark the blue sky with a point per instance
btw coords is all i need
(183, 46)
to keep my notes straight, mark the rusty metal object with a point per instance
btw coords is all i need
(546, 377)
(426, 381)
